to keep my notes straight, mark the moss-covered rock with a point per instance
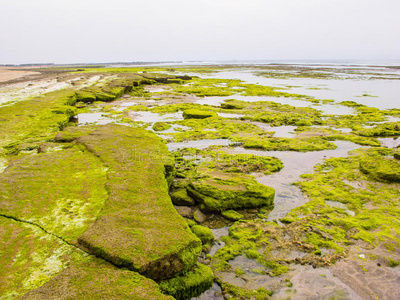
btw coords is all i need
(36, 120)
(396, 154)
(203, 233)
(197, 114)
(221, 192)
(29, 257)
(139, 228)
(189, 285)
(181, 197)
(232, 104)
(381, 169)
(232, 215)
(98, 278)
(85, 96)
(62, 191)
(161, 126)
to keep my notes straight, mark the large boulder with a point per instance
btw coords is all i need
(222, 191)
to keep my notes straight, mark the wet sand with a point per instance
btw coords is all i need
(7, 74)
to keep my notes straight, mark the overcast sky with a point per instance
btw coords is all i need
(73, 31)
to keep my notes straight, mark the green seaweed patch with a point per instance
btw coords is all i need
(189, 285)
(62, 191)
(331, 134)
(386, 129)
(237, 293)
(383, 168)
(374, 205)
(161, 126)
(180, 197)
(232, 215)
(139, 213)
(30, 257)
(229, 163)
(94, 278)
(304, 144)
(203, 233)
(225, 191)
(36, 120)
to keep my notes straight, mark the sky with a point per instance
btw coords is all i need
(90, 31)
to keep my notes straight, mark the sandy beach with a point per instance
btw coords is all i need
(7, 73)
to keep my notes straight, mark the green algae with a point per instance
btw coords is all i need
(232, 215)
(228, 163)
(62, 191)
(197, 114)
(203, 233)
(384, 168)
(386, 129)
(330, 134)
(189, 285)
(161, 126)
(137, 161)
(94, 278)
(287, 144)
(36, 120)
(374, 203)
(180, 197)
(30, 257)
(227, 191)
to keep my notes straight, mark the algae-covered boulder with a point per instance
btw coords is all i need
(181, 197)
(139, 228)
(98, 278)
(161, 126)
(198, 114)
(221, 192)
(189, 285)
(232, 215)
(381, 168)
(85, 96)
(232, 104)
(203, 233)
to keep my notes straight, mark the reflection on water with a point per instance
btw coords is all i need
(287, 195)
(310, 283)
(385, 92)
(91, 118)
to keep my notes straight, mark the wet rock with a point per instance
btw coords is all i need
(199, 217)
(181, 197)
(184, 211)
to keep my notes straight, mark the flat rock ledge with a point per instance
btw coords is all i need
(139, 228)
